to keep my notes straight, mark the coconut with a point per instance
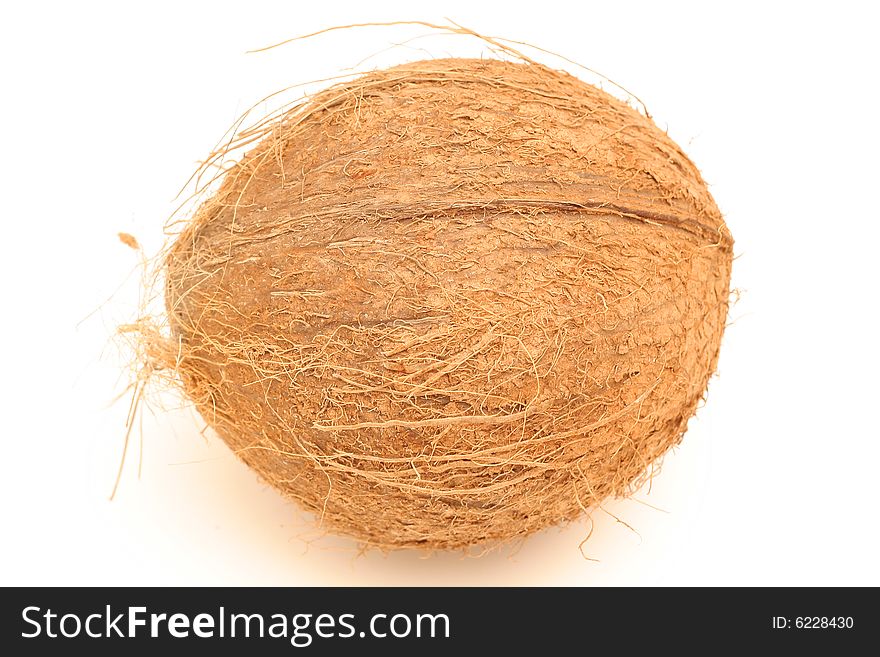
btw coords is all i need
(451, 302)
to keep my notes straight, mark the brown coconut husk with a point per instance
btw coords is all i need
(451, 302)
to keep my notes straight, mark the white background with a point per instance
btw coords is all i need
(107, 108)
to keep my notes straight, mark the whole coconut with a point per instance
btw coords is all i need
(452, 302)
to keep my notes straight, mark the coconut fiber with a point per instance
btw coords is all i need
(452, 302)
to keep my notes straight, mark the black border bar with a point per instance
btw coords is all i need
(515, 620)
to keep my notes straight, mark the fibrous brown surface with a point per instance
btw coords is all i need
(452, 302)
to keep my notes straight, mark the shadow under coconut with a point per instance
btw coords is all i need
(248, 534)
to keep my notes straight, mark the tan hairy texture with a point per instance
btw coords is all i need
(452, 302)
